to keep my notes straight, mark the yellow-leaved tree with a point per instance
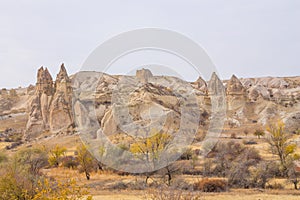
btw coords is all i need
(150, 148)
(55, 155)
(281, 145)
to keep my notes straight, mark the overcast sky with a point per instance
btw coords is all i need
(245, 37)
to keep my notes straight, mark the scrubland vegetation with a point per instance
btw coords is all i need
(41, 172)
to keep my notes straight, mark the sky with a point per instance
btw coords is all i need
(248, 38)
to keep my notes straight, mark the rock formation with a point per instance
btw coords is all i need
(61, 107)
(215, 85)
(236, 94)
(235, 87)
(50, 108)
(105, 101)
(143, 75)
(201, 85)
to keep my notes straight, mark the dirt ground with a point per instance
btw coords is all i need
(205, 197)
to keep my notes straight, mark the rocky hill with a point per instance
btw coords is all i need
(136, 104)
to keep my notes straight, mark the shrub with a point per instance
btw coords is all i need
(211, 185)
(181, 184)
(187, 155)
(56, 155)
(119, 186)
(249, 142)
(70, 162)
(85, 160)
(259, 133)
(3, 157)
(167, 194)
(233, 136)
(275, 186)
(21, 179)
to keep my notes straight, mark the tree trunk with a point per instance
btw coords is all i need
(295, 185)
(169, 179)
(147, 177)
(87, 174)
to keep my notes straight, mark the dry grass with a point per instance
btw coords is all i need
(101, 182)
(4, 144)
(236, 195)
(17, 122)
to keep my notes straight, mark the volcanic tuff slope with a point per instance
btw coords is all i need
(155, 102)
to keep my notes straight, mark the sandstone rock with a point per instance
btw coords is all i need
(236, 94)
(60, 113)
(35, 125)
(61, 106)
(50, 108)
(30, 90)
(100, 97)
(4, 92)
(63, 82)
(215, 85)
(44, 82)
(235, 87)
(292, 122)
(255, 92)
(5, 104)
(201, 85)
(143, 75)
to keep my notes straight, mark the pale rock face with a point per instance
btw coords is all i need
(44, 82)
(108, 123)
(61, 107)
(153, 101)
(258, 91)
(235, 87)
(5, 105)
(35, 124)
(215, 85)
(50, 108)
(60, 113)
(30, 90)
(236, 94)
(201, 85)
(45, 103)
(292, 122)
(81, 113)
(143, 75)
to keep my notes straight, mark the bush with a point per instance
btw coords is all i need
(249, 142)
(275, 186)
(3, 157)
(259, 133)
(211, 185)
(181, 184)
(55, 155)
(70, 162)
(119, 186)
(21, 179)
(167, 194)
(233, 136)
